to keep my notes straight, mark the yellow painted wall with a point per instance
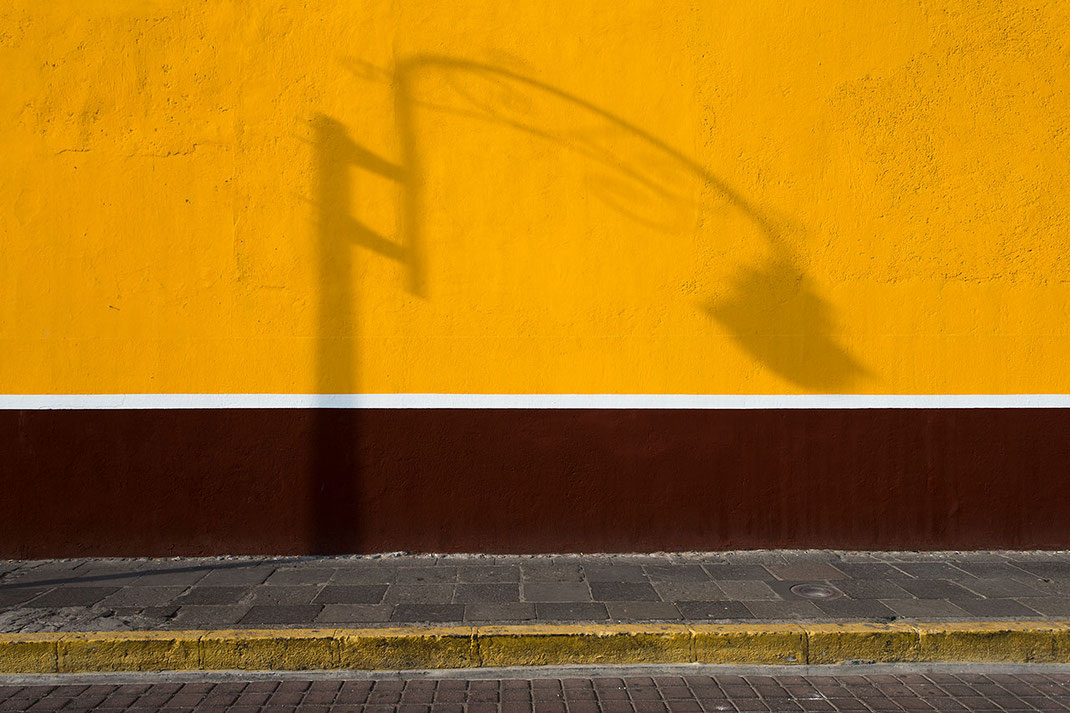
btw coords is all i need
(613, 196)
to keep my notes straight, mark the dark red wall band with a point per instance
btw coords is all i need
(170, 482)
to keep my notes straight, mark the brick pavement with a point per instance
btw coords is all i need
(1006, 692)
(113, 594)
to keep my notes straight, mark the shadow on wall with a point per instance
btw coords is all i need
(773, 312)
(335, 482)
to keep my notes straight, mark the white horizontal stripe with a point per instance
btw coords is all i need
(531, 401)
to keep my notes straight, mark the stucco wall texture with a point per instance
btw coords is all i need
(534, 197)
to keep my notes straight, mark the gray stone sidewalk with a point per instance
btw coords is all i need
(268, 592)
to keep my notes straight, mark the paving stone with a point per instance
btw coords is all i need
(1046, 570)
(676, 573)
(303, 614)
(419, 593)
(814, 571)
(14, 596)
(995, 607)
(987, 584)
(992, 570)
(1048, 606)
(784, 610)
(431, 613)
(178, 576)
(623, 592)
(855, 609)
(871, 589)
(746, 590)
(998, 588)
(738, 571)
(285, 594)
(351, 594)
(486, 593)
(42, 574)
(871, 570)
(935, 589)
(929, 570)
(237, 575)
(355, 613)
(214, 595)
(70, 597)
(364, 575)
(1052, 588)
(208, 616)
(142, 596)
(427, 575)
(509, 611)
(571, 611)
(488, 573)
(556, 592)
(695, 611)
(689, 591)
(543, 572)
(300, 575)
(642, 611)
(615, 573)
(924, 608)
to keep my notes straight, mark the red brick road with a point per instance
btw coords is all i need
(1042, 691)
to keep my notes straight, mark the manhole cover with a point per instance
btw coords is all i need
(816, 591)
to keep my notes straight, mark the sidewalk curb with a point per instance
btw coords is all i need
(535, 645)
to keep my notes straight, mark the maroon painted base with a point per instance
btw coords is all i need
(170, 482)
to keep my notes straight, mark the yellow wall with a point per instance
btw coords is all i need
(614, 196)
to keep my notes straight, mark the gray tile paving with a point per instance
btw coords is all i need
(571, 611)
(780, 609)
(507, 612)
(925, 608)
(556, 592)
(856, 609)
(995, 608)
(73, 596)
(433, 613)
(419, 593)
(141, 596)
(935, 589)
(871, 589)
(488, 573)
(355, 591)
(697, 611)
(300, 575)
(615, 573)
(197, 616)
(690, 591)
(351, 594)
(820, 571)
(746, 589)
(677, 573)
(643, 611)
(486, 593)
(355, 613)
(623, 592)
(738, 572)
(284, 614)
(213, 595)
(548, 571)
(279, 594)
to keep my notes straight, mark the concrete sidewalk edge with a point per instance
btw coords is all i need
(534, 645)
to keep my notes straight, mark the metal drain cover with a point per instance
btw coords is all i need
(816, 591)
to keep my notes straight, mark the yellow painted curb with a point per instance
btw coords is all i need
(533, 645)
(548, 645)
(878, 643)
